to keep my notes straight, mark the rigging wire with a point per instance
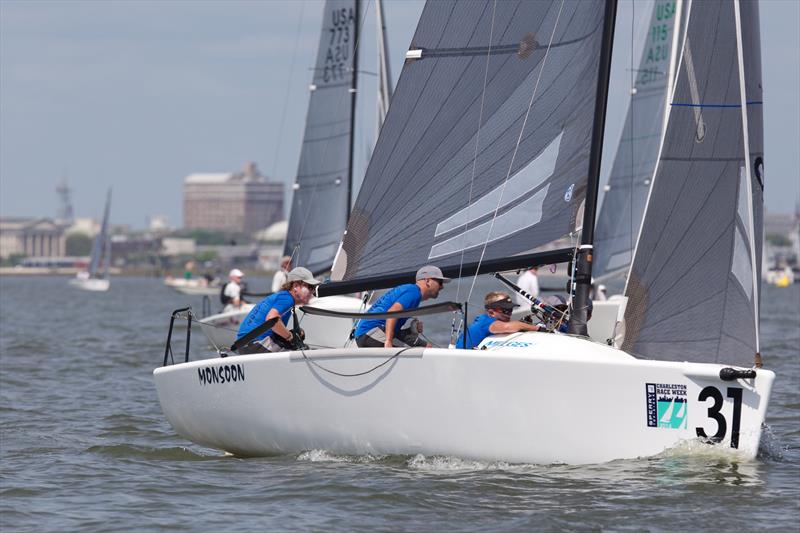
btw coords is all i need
(286, 95)
(632, 134)
(516, 147)
(453, 329)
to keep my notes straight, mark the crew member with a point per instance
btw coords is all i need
(528, 281)
(376, 333)
(495, 321)
(298, 290)
(280, 276)
(232, 291)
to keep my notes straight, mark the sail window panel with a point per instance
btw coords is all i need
(422, 166)
(320, 201)
(529, 178)
(741, 266)
(521, 217)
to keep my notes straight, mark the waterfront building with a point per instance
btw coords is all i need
(31, 237)
(237, 202)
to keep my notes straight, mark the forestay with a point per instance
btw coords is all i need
(321, 199)
(448, 174)
(637, 154)
(693, 292)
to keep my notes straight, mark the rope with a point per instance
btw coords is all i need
(516, 147)
(340, 374)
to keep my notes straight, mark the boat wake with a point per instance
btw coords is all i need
(770, 448)
(174, 453)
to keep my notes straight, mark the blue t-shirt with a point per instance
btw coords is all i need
(407, 295)
(281, 300)
(477, 331)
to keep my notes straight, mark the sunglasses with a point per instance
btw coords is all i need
(440, 282)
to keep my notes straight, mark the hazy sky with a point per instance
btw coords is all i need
(138, 94)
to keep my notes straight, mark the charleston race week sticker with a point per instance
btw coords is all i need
(666, 405)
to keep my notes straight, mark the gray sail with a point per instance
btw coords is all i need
(461, 163)
(691, 292)
(637, 154)
(321, 199)
(101, 248)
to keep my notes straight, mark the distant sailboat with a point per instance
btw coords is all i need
(96, 277)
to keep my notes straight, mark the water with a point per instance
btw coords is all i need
(84, 446)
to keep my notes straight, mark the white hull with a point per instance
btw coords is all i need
(779, 277)
(194, 287)
(91, 284)
(320, 331)
(528, 398)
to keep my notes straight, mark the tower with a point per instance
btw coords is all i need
(65, 212)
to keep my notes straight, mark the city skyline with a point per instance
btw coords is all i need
(138, 95)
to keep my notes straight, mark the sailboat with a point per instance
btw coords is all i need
(491, 150)
(635, 163)
(95, 278)
(323, 185)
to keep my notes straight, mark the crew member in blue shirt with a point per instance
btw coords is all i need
(386, 333)
(496, 320)
(298, 290)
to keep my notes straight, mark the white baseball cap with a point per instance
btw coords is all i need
(236, 273)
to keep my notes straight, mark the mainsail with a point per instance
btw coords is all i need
(321, 200)
(101, 248)
(693, 291)
(637, 154)
(485, 149)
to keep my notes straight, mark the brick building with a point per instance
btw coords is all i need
(242, 202)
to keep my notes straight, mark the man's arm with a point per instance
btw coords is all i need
(279, 326)
(391, 324)
(513, 326)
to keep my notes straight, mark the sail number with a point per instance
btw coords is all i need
(714, 412)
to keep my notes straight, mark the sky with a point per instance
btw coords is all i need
(136, 95)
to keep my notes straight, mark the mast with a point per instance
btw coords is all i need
(353, 89)
(384, 74)
(583, 260)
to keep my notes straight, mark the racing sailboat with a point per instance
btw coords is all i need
(96, 277)
(490, 151)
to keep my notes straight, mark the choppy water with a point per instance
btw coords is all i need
(84, 446)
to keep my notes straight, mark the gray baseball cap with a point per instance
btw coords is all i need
(302, 274)
(431, 272)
